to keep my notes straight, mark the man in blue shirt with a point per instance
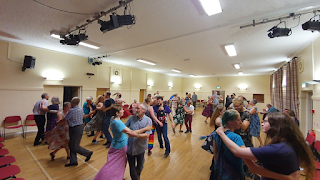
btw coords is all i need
(271, 108)
(138, 145)
(163, 130)
(106, 122)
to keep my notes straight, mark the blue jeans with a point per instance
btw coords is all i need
(163, 131)
(105, 129)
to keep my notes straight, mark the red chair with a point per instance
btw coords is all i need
(6, 160)
(317, 147)
(202, 103)
(310, 139)
(1, 145)
(198, 103)
(29, 118)
(9, 171)
(126, 106)
(12, 119)
(1, 139)
(3, 152)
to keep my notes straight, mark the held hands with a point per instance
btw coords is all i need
(172, 125)
(160, 124)
(220, 130)
(293, 176)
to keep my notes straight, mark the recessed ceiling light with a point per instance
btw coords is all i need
(146, 62)
(176, 70)
(211, 7)
(192, 75)
(231, 50)
(81, 43)
(240, 73)
(237, 65)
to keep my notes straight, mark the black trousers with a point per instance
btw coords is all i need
(75, 134)
(40, 121)
(135, 165)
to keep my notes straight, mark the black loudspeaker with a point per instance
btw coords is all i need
(29, 62)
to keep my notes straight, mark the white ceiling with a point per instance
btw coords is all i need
(167, 32)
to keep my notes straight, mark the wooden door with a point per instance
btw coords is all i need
(142, 95)
(101, 91)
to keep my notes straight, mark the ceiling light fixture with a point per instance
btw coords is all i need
(54, 78)
(176, 70)
(275, 31)
(146, 62)
(312, 24)
(80, 43)
(211, 7)
(237, 65)
(231, 50)
(192, 75)
(240, 73)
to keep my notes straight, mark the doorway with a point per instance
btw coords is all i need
(142, 95)
(101, 91)
(71, 91)
(309, 115)
(222, 93)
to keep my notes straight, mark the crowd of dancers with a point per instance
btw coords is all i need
(235, 125)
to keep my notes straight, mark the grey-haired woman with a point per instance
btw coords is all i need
(52, 113)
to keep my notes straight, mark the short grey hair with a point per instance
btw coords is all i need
(75, 100)
(65, 104)
(55, 100)
(43, 95)
(89, 98)
(254, 101)
(143, 106)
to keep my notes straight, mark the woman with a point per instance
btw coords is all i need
(207, 111)
(227, 165)
(216, 117)
(120, 101)
(150, 114)
(95, 124)
(59, 137)
(133, 106)
(255, 121)
(52, 117)
(284, 153)
(178, 118)
(116, 163)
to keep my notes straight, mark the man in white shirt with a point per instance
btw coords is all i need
(189, 110)
(40, 117)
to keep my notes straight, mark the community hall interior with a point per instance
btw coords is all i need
(187, 50)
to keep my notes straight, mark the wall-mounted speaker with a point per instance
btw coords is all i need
(29, 62)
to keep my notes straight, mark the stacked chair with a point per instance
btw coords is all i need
(7, 171)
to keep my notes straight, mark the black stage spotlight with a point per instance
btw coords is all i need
(311, 25)
(116, 21)
(279, 32)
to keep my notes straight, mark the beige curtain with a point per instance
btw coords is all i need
(294, 85)
(287, 92)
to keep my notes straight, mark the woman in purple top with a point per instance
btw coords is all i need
(283, 154)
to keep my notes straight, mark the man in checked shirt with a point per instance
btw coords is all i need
(138, 145)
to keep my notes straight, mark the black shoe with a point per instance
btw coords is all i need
(187, 132)
(166, 154)
(108, 145)
(161, 146)
(90, 135)
(149, 152)
(101, 137)
(190, 131)
(68, 157)
(52, 156)
(71, 164)
(180, 131)
(36, 144)
(88, 157)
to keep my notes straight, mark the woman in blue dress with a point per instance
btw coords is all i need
(255, 121)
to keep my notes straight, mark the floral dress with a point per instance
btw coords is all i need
(178, 118)
(58, 137)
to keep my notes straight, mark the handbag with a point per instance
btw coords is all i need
(208, 144)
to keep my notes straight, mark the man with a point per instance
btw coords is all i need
(163, 130)
(75, 120)
(106, 122)
(194, 100)
(215, 102)
(137, 145)
(40, 117)
(271, 108)
(87, 108)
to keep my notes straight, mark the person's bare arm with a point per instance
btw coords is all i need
(104, 109)
(43, 107)
(245, 124)
(137, 132)
(171, 119)
(256, 169)
(90, 113)
(252, 111)
(150, 109)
